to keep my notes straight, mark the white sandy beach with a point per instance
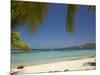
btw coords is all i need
(73, 65)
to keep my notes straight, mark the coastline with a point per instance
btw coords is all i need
(62, 66)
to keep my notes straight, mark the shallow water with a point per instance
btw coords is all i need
(48, 56)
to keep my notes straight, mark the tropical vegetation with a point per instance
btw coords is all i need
(34, 14)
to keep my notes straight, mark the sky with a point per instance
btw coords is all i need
(52, 33)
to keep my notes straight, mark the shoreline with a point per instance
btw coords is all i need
(56, 61)
(61, 66)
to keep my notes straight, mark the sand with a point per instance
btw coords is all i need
(72, 65)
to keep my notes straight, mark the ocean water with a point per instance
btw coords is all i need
(48, 56)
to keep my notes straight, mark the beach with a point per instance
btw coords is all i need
(88, 63)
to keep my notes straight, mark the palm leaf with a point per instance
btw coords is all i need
(70, 18)
(26, 12)
(17, 43)
(71, 10)
(32, 13)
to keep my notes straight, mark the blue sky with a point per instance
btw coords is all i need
(52, 33)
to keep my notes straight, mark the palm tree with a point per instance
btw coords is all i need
(34, 13)
(70, 16)
(17, 43)
(21, 12)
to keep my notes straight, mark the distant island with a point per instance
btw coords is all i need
(84, 46)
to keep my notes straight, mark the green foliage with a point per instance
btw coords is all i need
(22, 12)
(17, 43)
(70, 17)
(32, 13)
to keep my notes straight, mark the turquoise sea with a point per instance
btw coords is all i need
(48, 56)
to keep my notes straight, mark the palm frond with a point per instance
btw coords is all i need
(71, 10)
(32, 13)
(17, 43)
